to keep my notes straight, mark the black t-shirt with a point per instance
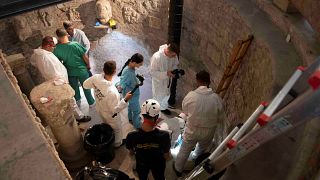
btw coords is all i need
(150, 146)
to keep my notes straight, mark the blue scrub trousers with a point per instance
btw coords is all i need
(134, 111)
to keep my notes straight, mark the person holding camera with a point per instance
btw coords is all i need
(163, 62)
(128, 81)
(108, 99)
(173, 87)
(204, 113)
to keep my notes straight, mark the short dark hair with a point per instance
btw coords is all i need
(109, 67)
(203, 77)
(173, 47)
(61, 32)
(67, 24)
(48, 40)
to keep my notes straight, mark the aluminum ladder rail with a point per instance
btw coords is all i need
(305, 107)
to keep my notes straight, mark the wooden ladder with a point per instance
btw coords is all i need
(237, 55)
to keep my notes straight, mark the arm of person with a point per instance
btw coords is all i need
(86, 60)
(88, 83)
(130, 144)
(82, 53)
(114, 104)
(186, 103)
(131, 152)
(126, 82)
(86, 42)
(167, 146)
(155, 68)
(167, 156)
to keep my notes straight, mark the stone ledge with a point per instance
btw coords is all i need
(24, 140)
(303, 38)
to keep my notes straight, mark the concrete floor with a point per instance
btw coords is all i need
(119, 47)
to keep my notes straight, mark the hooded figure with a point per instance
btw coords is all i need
(204, 111)
(163, 62)
(108, 100)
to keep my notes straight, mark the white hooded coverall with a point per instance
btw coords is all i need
(108, 103)
(160, 64)
(204, 110)
(48, 65)
(51, 68)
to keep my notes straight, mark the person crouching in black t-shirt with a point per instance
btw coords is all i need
(150, 145)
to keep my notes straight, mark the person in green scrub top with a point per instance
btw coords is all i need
(73, 57)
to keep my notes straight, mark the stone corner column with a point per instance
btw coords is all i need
(59, 116)
(17, 62)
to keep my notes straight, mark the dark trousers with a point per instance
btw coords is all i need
(173, 91)
(157, 169)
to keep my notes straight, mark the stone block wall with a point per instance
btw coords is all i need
(144, 20)
(310, 10)
(296, 28)
(208, 36)
(147, 20)
(27, 151)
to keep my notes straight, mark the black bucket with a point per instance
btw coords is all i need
(101, 173)
(98, 140)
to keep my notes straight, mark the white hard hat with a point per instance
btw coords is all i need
(150, 107)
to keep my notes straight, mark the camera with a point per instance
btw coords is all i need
(178, 72)
(140, 78)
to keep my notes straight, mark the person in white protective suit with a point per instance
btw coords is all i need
(174, 126)
(204, 111)
(108, 100)
(163, 62)
(51, 68)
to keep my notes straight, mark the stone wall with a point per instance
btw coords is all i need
(296, 29)
(144, 20)
(208, 36)
(25, 145)
(310, 10)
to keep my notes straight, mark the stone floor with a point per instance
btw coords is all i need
(119, 47)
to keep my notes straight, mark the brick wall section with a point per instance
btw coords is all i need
(208, 35)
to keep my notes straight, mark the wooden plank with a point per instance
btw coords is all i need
(238, 53)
